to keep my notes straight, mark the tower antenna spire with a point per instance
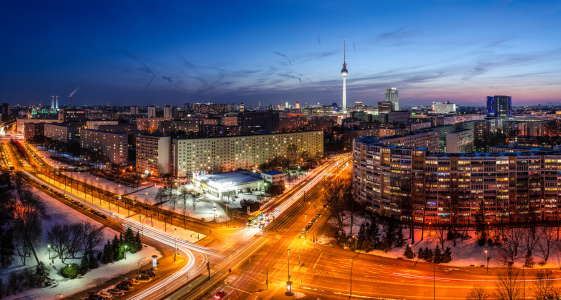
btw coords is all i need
(344, 52)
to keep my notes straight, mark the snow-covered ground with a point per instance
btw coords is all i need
(46, 156)
(466, 253)
(186, 234)
(62, 214)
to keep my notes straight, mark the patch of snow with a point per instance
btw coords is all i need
(62, 214)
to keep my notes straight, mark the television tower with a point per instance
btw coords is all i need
(344, 72)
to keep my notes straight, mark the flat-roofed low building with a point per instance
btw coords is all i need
(228, 183)
(113, 145)
(34, 131)
(274, 177)
(150, 124)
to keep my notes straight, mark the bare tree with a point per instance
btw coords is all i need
(547, 240)
(513, 238)
(337, 195)
(531, 239)
(92, 236)
(544, 286)
(75, 239)
(58, 237)
(509, 285)
(478, 293)
(441, 233)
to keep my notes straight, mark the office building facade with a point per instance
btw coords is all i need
(499, 106)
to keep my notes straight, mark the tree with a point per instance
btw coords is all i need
(406, 188)
(6, 247)
(437, 255)
(509, 284)
(409, 252)
(421, 253)
(75, 240)
(93, 264)
(447, 256)
(480, 226)
(138, 241)
(441, 234)
(58, 237)
(337, 197)
(544, 286)
(513, 238)
(42, 274)
(84, 264)
(92, 236)
(428, 255)
(547, 240)
(478, 293)
(27, 224)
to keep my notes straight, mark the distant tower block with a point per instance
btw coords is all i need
(344, 72)
(297, 105)
(56, 104)
(52, 103)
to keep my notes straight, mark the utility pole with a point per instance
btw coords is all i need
(208, 268)
(267, 280)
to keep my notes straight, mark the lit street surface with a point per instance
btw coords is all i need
(252, 254)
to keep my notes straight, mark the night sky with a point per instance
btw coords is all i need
(166, 52)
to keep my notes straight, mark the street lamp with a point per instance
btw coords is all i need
(59, 295)
(234, 289)
(138, 264)
(487, 261)
(288, 262)
(126, 252)
(175, 256)
(49, 247)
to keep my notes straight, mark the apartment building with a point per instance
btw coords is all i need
(111, 144)
(153, 154)
(246, 152)
(510, 187)
(60, 133)
(95, 124)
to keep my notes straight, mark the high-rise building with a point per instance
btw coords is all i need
(168, 112)
(392, 96)
(151, 111)
(134, 110)
(153, 155)
(344, 73)
(499, 106)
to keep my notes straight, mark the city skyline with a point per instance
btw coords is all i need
(151, 53)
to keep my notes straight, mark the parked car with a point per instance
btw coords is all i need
(304, 230)
(313, 220)
(128, 281)
(318, 215)
(95, 297)
(116, 292)
(105, 295)
(219, 295)
(150, 273)
(134, 281)
(124, 287)
(143, 278)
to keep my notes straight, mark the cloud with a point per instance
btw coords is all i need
(319, 41)
(283, 55)
(399, 37)
(167, 78)
(145, 70)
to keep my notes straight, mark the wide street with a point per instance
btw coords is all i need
(242, 259)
